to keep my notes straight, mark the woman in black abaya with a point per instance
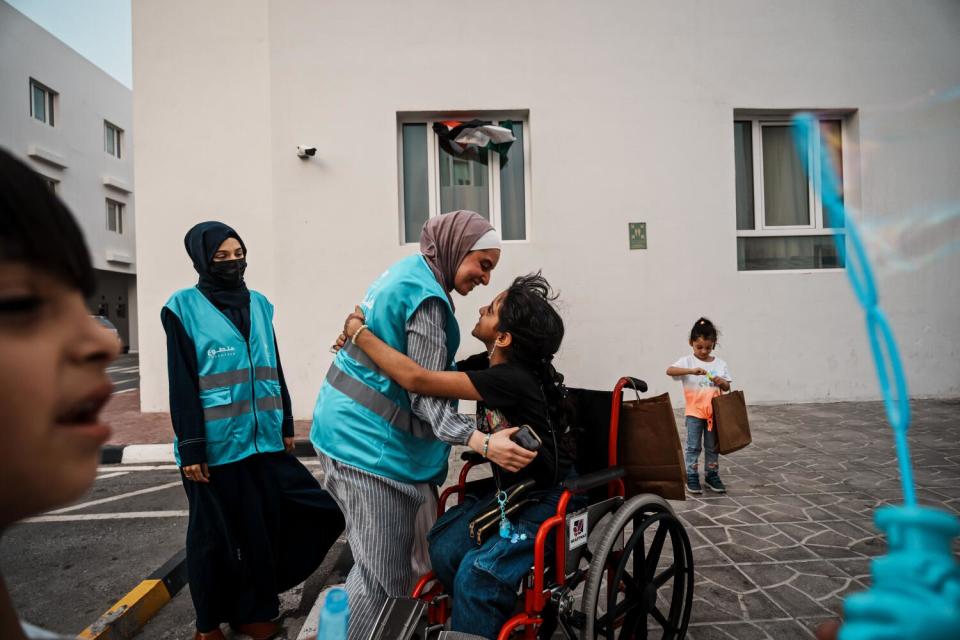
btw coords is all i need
(259, 521)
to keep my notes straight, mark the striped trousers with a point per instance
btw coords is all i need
(381, 527)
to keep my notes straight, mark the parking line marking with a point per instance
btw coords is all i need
(313, 462)
(116, 393)
(84, 505)
(112, 475)
(124, 515)
(158, 467)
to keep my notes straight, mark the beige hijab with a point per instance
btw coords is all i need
(447, 239)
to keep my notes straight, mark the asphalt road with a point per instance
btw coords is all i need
(125, 373)
(67, 567)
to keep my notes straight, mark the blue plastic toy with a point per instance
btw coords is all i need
(916, 586)
(507, 529)
(335, 616)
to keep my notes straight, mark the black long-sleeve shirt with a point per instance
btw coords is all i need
(186, 411)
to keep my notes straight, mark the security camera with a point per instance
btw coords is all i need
(305, 152)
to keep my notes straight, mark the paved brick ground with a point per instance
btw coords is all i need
(795, 533)
(130, 426)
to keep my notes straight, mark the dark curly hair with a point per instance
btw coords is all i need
(528, 314)
(705, 329)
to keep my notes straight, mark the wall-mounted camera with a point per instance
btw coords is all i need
(306, 152)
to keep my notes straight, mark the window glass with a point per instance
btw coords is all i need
(830, 138)
(764, 253)
(114, 216)
(416, 206)
(785, 187)
(39, 103)
(512, 192)
(743, 162)
(108, 139)
(464, 183)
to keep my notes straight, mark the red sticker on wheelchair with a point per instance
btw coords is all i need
(577, 530)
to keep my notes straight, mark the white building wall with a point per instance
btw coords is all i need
(86, 97)
(630, 114)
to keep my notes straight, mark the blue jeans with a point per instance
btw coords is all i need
(697, 429)
(483, 581)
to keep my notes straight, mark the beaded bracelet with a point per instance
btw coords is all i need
(486, 444)
(353, 338)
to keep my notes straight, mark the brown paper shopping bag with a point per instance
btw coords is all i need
(730, 421)
(650, 451)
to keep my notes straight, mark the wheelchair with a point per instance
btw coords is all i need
(622, 567)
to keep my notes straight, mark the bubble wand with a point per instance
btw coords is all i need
(916, 586)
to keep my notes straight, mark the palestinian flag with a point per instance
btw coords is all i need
(465, 139)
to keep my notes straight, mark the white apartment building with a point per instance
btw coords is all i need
(670, 114)
(71, 122)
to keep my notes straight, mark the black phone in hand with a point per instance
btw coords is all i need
(527, 438)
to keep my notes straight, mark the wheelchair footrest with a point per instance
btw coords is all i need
(401, 619)
(458, 635)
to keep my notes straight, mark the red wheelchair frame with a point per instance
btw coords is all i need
(536, 593)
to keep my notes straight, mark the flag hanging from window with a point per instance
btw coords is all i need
(466, 139)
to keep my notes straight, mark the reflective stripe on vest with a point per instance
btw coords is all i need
(358, 354)
(238, 379)
(235, 409)
(231, 410)
(363, 418)
(238, 376)
(397, 416)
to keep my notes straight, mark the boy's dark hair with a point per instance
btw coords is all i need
(37, 229)
(705, 329)
(528, 314)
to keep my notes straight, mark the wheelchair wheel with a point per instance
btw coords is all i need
(640, 581)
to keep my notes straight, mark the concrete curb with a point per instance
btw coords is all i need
(163, 453)
(125, 618)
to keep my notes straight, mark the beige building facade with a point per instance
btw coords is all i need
(668, 114)
(73, 124)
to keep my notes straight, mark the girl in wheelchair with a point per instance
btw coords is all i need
(478, 555)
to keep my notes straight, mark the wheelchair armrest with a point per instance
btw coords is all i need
(593, 480)
(473, 456)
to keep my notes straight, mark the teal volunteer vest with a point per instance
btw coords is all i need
(239, 383)
(363, 418)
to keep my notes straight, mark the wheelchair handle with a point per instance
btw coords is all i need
(473, 456)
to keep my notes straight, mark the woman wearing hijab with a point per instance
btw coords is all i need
(381, 449)
(256, 513)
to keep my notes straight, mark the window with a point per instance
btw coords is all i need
(432, 181)
(114, 216)
(41, 102)
(50, 182)
(112, 139)
(781, 224)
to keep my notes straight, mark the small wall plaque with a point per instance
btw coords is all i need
(638, 235)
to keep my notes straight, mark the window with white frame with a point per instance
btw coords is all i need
(112, 139)
(781, 223)
(495, 184)
(115, 216)
(42, 99)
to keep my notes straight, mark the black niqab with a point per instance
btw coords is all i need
(202, 242)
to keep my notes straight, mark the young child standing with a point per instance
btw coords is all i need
(703, 376)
